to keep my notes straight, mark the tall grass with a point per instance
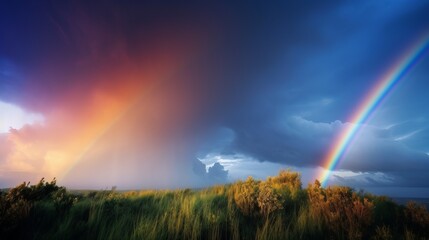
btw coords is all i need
(274, 209)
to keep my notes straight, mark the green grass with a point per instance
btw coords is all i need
(211, 213)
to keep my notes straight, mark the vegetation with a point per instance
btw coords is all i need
(277, 208)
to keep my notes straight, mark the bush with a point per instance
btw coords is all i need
(287, 183)
(343, 211)
(16, 204)
(383, 233)
(417, 218)
(12, 213)
(270, 195)
(62, 200)
(246, 196)
(268, 199)
(244, 210)
(32, 193)
(386, 212)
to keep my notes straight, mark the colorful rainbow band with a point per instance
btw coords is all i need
(370, 102)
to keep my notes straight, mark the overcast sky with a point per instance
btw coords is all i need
(166, 95)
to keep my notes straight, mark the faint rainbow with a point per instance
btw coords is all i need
(370, 102)
(77, 159)
(143, 90)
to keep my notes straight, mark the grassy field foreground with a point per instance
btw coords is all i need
(277, 208)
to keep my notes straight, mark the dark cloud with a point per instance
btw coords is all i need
(274, 82)
(217, 173)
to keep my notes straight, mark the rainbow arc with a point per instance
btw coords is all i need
(370, 102)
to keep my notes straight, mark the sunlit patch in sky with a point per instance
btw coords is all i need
(12, 116)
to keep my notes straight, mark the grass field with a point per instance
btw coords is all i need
(277, 208)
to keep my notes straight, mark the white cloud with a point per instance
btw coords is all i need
(240, 166)
(408, 135)
(360, 178)
(12, 116)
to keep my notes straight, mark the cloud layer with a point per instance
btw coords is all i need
(134, 94)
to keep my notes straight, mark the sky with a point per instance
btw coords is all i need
(143, 94)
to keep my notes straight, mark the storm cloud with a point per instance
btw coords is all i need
(141, 92)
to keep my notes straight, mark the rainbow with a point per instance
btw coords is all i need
(370, 102)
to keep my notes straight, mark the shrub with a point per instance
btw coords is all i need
(359, 217)
(268, 199)
(12, 213)
(46, 211)
(288, 186)
(62, 200)
(343, 211)
(14, 207)
(386, 212)
(287, 182)
(41, 190)
(417, 218)
(246, 196)
(383, 233)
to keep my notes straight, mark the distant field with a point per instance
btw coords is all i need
(277, 208)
